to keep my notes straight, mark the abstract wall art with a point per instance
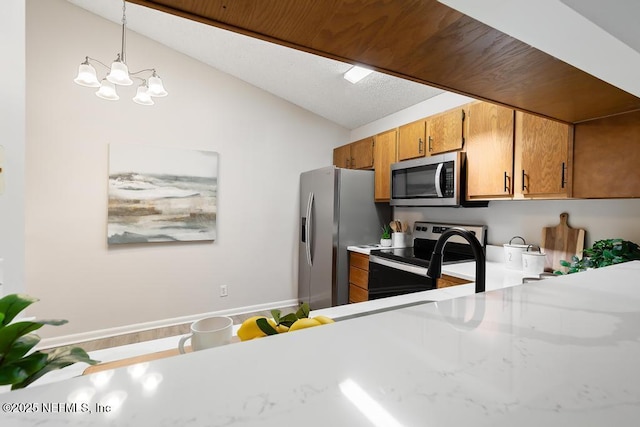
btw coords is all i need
(161, 194)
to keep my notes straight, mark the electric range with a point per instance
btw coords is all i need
(397, 271)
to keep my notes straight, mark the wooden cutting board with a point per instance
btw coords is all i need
(561, 243)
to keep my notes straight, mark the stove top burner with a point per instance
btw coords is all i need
(425, 237)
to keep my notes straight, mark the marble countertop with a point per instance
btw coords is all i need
(560, 352)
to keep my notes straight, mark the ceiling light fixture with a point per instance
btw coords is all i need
(357, 73)
(119, 75)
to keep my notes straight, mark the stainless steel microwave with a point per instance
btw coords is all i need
(428, 181)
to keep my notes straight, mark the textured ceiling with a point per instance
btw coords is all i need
(312, 82)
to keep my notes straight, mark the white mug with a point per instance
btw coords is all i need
(209, 332)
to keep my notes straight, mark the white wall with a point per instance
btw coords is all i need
(12, 124)
(264, 144)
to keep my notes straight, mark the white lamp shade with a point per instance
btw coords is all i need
(87, 76)
(142, 96)
(156, 88)
(119, 74)
(107, 91)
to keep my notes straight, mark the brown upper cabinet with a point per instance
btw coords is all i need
(411, 140)
(356, 155)
(606, 160)
(489, 147)
(342, 156)
(543, 157)
(362, 154)
(445, 131)
(510, 155)
(516, 155)
(384, 154)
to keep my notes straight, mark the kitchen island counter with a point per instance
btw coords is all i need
(559, 352)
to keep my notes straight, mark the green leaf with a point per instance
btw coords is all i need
(58, 359)
(288, 320)
(265, 327)
(53, 322)
(12, 375)
(276, 316)
(565, 263)
(10, 333)
(303, 311)
(18, 371)
(13, 304)
(20, 347)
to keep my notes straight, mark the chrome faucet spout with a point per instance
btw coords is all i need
(435, 265)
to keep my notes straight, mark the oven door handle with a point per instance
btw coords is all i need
(438, 179)
(421, 271)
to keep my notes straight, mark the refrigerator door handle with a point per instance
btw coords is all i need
(438, 180)
(308, 230)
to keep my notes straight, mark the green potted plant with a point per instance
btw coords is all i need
(602, 253)
(385, 238)
(19, 365)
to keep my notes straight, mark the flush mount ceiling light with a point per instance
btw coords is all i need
(119, 74)
(357, 73)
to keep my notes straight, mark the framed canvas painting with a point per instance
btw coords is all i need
(161, 194)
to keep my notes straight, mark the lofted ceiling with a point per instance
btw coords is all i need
(424, 42)
(312, 82)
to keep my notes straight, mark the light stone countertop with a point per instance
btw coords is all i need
(560, 352)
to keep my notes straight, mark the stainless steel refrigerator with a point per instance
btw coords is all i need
(336, 210)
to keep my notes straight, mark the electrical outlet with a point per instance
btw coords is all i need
(224, 291)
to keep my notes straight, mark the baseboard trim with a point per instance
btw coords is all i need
(48, 343)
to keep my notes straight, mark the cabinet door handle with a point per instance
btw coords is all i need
(430, 148)
(420, 145)
(563, 175)
(524, 187)
(346, 162)
(506, 185)
(353, 163)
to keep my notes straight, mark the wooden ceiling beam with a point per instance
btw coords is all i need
(419, 40)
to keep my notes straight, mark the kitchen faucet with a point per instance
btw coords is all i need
(435, 265)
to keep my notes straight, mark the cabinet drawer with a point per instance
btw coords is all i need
(359, 277)
(359, 260)
(357, 294)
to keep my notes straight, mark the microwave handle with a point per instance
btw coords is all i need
(438, 179)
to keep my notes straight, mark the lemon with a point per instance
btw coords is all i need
(303, 324)
(250, 330)
(281, 328)
(324, 319)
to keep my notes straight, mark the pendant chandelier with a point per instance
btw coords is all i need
(150, 87)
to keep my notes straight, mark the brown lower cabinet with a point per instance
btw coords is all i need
(445, 281)
(359, 278)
